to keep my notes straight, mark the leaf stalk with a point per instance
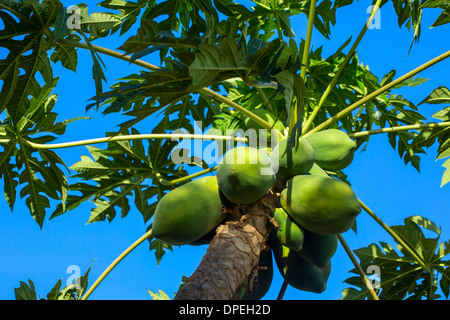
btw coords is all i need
(309, 30)
(133, 137)
(396, 237)
(376, 93)
(358, 267)
(116, 262)
(349, 55)
(399, 128)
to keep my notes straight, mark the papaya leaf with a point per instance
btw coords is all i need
(97, 24)
(158, 296)
(409, 13)
(436, 4)
(119, 172)
(25, 291)
(400, 276)
(61, 29)
(37, 173)
(97, 70)
(27, 55)
(446, 175)
(160, 248)
(66, 54)
(213, 63)
(129, 10)
(438, 96)
(444, 17)
(150, 38)
(72, 291)
(8, 172)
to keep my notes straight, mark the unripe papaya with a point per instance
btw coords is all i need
(263, 280)
(317, 171)
(333, 149)
(320, 204)
(289, 233)
(318, 249)
(296, 271)
(244, 175)
(298, 160)
(261, 133)
(189, 212)
(206, 239)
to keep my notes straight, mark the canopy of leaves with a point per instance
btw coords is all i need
(247, 54)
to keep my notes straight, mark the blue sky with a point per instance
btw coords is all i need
(378, 176)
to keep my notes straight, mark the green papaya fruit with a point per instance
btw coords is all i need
(261, 133)
(317, 171)
(189, 212)
(296, 271)
(333, 149)
(206, 239)
(263, 280)
(244, 174)
(318, 249)
(320, 204)
(289, 233)
(298, 160)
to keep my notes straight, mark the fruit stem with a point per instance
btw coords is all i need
(309, 30)
(376, 93)
(115, 262)
(183, 179)
(399, 128)
(396, 237)
(349, 55)
(358, 267)
(110, 52)
(133, 137)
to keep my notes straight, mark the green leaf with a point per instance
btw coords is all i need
(409, 13)
(158, 296)
(98, 24)
(37, 173)
(444, 17)
(446, 175)
(129, 10)
(25, 291)
(122, 170)
(53, 294)
(150, 38)
(160, 248)
(438, 96)
(26, 57)
(61, 29)
(400, 276)
(213, 63)
(66, 54)
(436, 4)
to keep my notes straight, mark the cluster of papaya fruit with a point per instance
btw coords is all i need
(313, 207)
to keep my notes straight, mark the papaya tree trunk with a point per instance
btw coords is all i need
(233, 253)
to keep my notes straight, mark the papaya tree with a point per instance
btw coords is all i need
(258, 90)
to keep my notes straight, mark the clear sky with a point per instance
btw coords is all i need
(378, 176)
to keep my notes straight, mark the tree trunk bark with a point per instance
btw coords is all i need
(233, 253)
